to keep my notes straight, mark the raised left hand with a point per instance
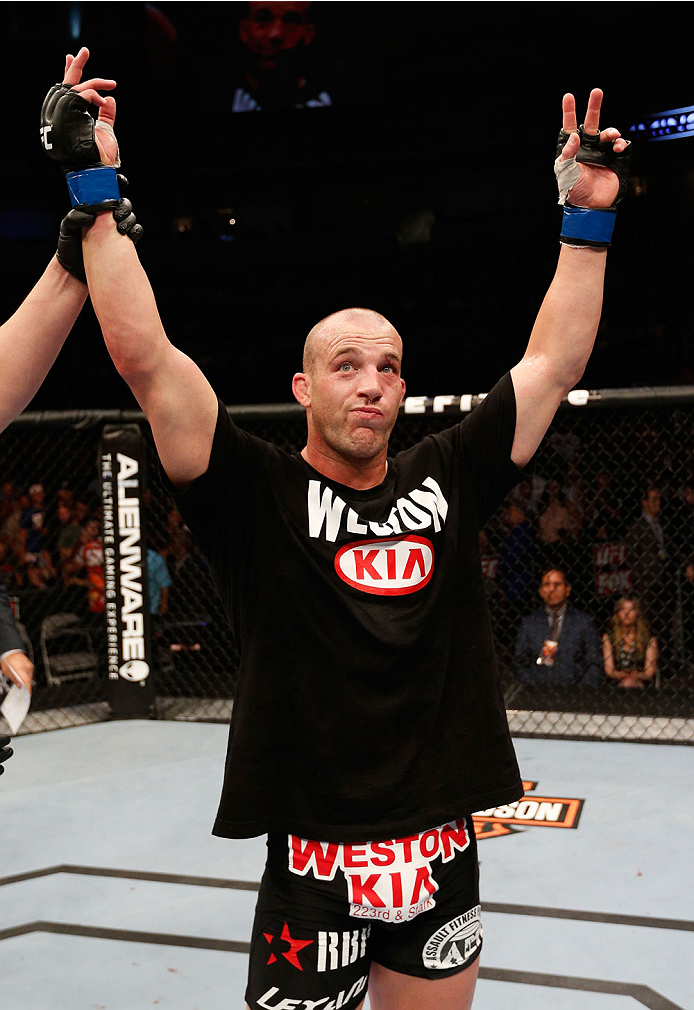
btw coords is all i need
(597, 186)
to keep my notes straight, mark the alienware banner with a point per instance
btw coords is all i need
(122, 467)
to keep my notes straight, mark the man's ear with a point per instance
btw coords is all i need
(402, 395)
(301, 388)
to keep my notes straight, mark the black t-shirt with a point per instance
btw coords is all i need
(368, 703)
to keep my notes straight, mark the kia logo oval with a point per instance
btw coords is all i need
(388, 567)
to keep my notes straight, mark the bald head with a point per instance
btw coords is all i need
(363, 321)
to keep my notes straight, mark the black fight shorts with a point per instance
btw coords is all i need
(325, 911)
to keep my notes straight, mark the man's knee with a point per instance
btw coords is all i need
(388, 989)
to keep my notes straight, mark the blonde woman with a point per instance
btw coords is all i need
(630, 652)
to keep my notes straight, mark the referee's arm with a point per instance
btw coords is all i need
(32, 337)
(179, 402)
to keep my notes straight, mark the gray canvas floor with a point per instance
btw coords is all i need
(114, 895)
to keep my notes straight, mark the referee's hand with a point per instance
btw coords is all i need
(18, 668)
(5, 751)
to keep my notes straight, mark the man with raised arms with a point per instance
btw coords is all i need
(369, 720)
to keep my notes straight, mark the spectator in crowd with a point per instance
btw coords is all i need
(648, 557)
(14, 662)
(86, 566)
(65, 496)
(276, 36)
(490, 563)
(158, 583)
(682, 524)
(6, 561)
(687, 613)
(528, 494)
(558, 524)
(563, 442)
(603, 517)
(557, 643)
(69, 531)
(10, 534)
(516, 570)
(629, 650)
(34, 540)
(34, 515)
(81, 511)
(8, 494)
(650, 444)
(574, 488)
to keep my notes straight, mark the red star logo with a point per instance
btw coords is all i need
(292, 955)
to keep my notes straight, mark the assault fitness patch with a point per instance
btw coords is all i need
(455, 943)
(530, 812)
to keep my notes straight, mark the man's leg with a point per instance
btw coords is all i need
(390, 990)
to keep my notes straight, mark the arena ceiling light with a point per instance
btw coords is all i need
(672, 124)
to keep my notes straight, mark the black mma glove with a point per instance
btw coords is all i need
(5, 751)
(594, 151)
(582, 226)
(68, 137)
(67, 129)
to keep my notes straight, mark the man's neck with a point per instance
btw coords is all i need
(358, 474)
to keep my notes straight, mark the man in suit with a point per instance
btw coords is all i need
(14, 662)
(557, 643)
(649, 557)
(16, 665)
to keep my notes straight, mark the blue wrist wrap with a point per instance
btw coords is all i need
(582, 226)
(93, 186)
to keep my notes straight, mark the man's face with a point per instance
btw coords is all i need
(651, 503)
(554, 589)
(353, 390)
(272, 28)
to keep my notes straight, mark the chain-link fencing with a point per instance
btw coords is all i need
(588, 567)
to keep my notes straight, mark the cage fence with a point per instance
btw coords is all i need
(607, 506)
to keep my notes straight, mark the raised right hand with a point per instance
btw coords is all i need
(104, 136)
(69, 133)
